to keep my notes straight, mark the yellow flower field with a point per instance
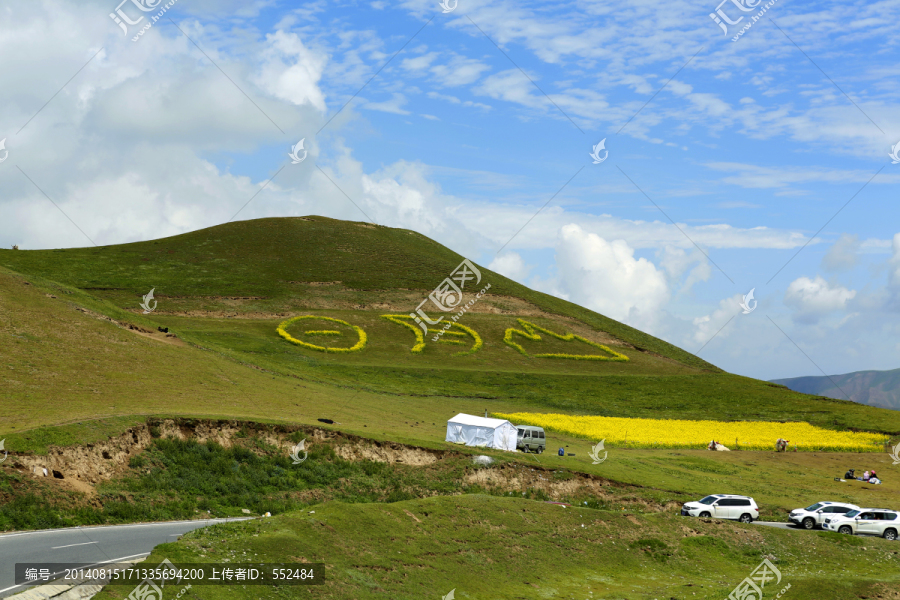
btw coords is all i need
(677, 433)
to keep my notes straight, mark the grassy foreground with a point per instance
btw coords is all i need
(80, 362)
(490, 547)
(182, 479)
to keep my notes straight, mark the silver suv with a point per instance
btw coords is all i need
(723, 506)
(815, 515)
(871, 521)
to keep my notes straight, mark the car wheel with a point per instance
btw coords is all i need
(845, 529)
(705, 515)
(540, 449)
(890, 534)
(745, 518)
(809, 523)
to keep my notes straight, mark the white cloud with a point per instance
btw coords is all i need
(712, 326)
(814, 298)
(760, 177)
(843, 254)
(676, 261)
(606, 277)
(390, 106)
(510, 265)
(501, 221)
(297, 82)
(459, 71)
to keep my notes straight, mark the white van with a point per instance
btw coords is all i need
(531, 439)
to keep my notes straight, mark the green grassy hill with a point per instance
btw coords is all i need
(79, 361)
(489, 547)
(225, 289)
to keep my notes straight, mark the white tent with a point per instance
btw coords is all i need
(480, 431)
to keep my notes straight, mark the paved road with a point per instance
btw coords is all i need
(777, 525)
(795, 528)
(86, 545)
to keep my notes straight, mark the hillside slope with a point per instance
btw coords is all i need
(91, 352)
(478, 546)
(270, 260)
(874, 388)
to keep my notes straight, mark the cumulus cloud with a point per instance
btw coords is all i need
(843, 254)
(510, 265)
(606, 277)
(814, 298)
(677, 261)
(713, 325)
(290, 71)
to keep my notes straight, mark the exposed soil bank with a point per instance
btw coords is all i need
(81, 468)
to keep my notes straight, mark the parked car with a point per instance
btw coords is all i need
(723, 506)
(815, 515)
(530, 439)
(872, 521)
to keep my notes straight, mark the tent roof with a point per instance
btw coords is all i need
(464, 419)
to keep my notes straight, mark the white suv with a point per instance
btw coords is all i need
(815, 515)
(873, 521)
(723, 506)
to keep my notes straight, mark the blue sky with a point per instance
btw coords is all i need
(725, 159)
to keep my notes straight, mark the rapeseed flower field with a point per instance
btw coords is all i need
(677, 433)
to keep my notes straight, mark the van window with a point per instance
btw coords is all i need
(541, 434)
(527, 433)
(521, 432)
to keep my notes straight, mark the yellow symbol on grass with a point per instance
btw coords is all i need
(360, 344)
(530, 334)
(452, 335)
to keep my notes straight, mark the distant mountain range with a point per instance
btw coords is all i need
(875, 388)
